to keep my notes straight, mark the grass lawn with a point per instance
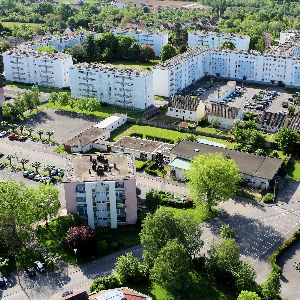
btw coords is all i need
(212, 130)
(10, 25)
(140, 164)
(104, 112)
(133, 64)
(161, 133)
(294, 170)
(41, 89)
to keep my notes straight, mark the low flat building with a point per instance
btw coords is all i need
(186, 108)
(113, 122)
(142, 148)
(113, 85)
(257, 171)
(224, 114)
(101, 189)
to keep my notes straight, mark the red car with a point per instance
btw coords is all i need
(13, 137)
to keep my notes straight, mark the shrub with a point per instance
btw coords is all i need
(271, 288)
(268, 198)
(246, 295)
(203, 121)
(104, 283)
(138, 135)
(227, 232)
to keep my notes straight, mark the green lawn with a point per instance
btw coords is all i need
(133, 64)
(140, 164)
(29, 86)
(10, 25)
(104, 112)
(161, 133)
(294, 170)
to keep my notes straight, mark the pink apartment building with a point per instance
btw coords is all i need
(101, 189)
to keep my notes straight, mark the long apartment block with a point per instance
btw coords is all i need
(59, 42)
(214, 39)
(101, 189)
(183, 70)
(116, 86)
(154, 39)
(40, 68)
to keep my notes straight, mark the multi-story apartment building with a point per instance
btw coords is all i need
(117, 86)
(182, 70)
(101, 189)
(60, 43)
(43, 69)
(214, 39)
(154, 39)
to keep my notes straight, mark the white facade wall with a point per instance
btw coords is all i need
(238, 65)
(187, 115)
(43, 69)
(154, 39)
(287, 35)
(113, 122)
(110, 85)
(214, 39)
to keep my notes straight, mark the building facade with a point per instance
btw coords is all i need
(183, 70)
(40, 68)
(154, 39)
(116, 86)
(102, 189)
(215, 39)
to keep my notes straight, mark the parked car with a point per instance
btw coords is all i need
(22, 138)
(30, 271)
(40, 266)
(2, 165)
(31, 175)
(67, 293)
(1, 154)
(26, 173)
(37, 177)
(13, 137)
(3, 134)
(3, 281)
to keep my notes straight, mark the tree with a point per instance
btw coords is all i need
(227, 45)
(9, 158)
(213, 178)
(36, 165)
(128, 268)
(245, 278)
(3, 265)
(81, 238)
(49, 169)
(226, 232)
(53, 97)
(23, 162)
(163, 226)
(77, 52)
(287, 140)
(92, 104)
(171, 268)
(48, 49)
(21, 127)
(271, 288)
(63, 98)
(147, 53)
(40, 132)
(124, 44)
(153, 200)
(49, 134)
(30, 130)
(168, 51)
(246, 295)
(89, 47)
(224, 257)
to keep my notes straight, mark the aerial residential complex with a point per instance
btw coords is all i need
(116, 86)
(182, 70)
(154, 39)
(214, 39)
(41, 68)
(101, 189)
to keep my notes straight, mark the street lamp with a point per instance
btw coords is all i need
(75, 251)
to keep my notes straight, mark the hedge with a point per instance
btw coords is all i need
(138, 135)
(160, 139)
(273, 258)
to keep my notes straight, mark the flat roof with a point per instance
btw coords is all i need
(80, 169)
(249, 164)
(108, 121)
(86, 137)
(135, 143)
(211, 143)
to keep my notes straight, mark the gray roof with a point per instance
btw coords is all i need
(184, 102)
(249, 164)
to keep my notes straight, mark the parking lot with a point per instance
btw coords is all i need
(251, 98)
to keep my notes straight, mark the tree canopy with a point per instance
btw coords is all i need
(213, 178)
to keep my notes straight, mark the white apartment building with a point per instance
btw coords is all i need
(40, 68)
(101, 189)
(214, 39)
(182, 70)
(116, 86)
(154, 39)
(59, 42)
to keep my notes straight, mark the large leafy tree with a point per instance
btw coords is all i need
(246, 295)
(213, 178)
(172, 266)
(287, 140)
(163, 226)
(271, 288)
(167, 52)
